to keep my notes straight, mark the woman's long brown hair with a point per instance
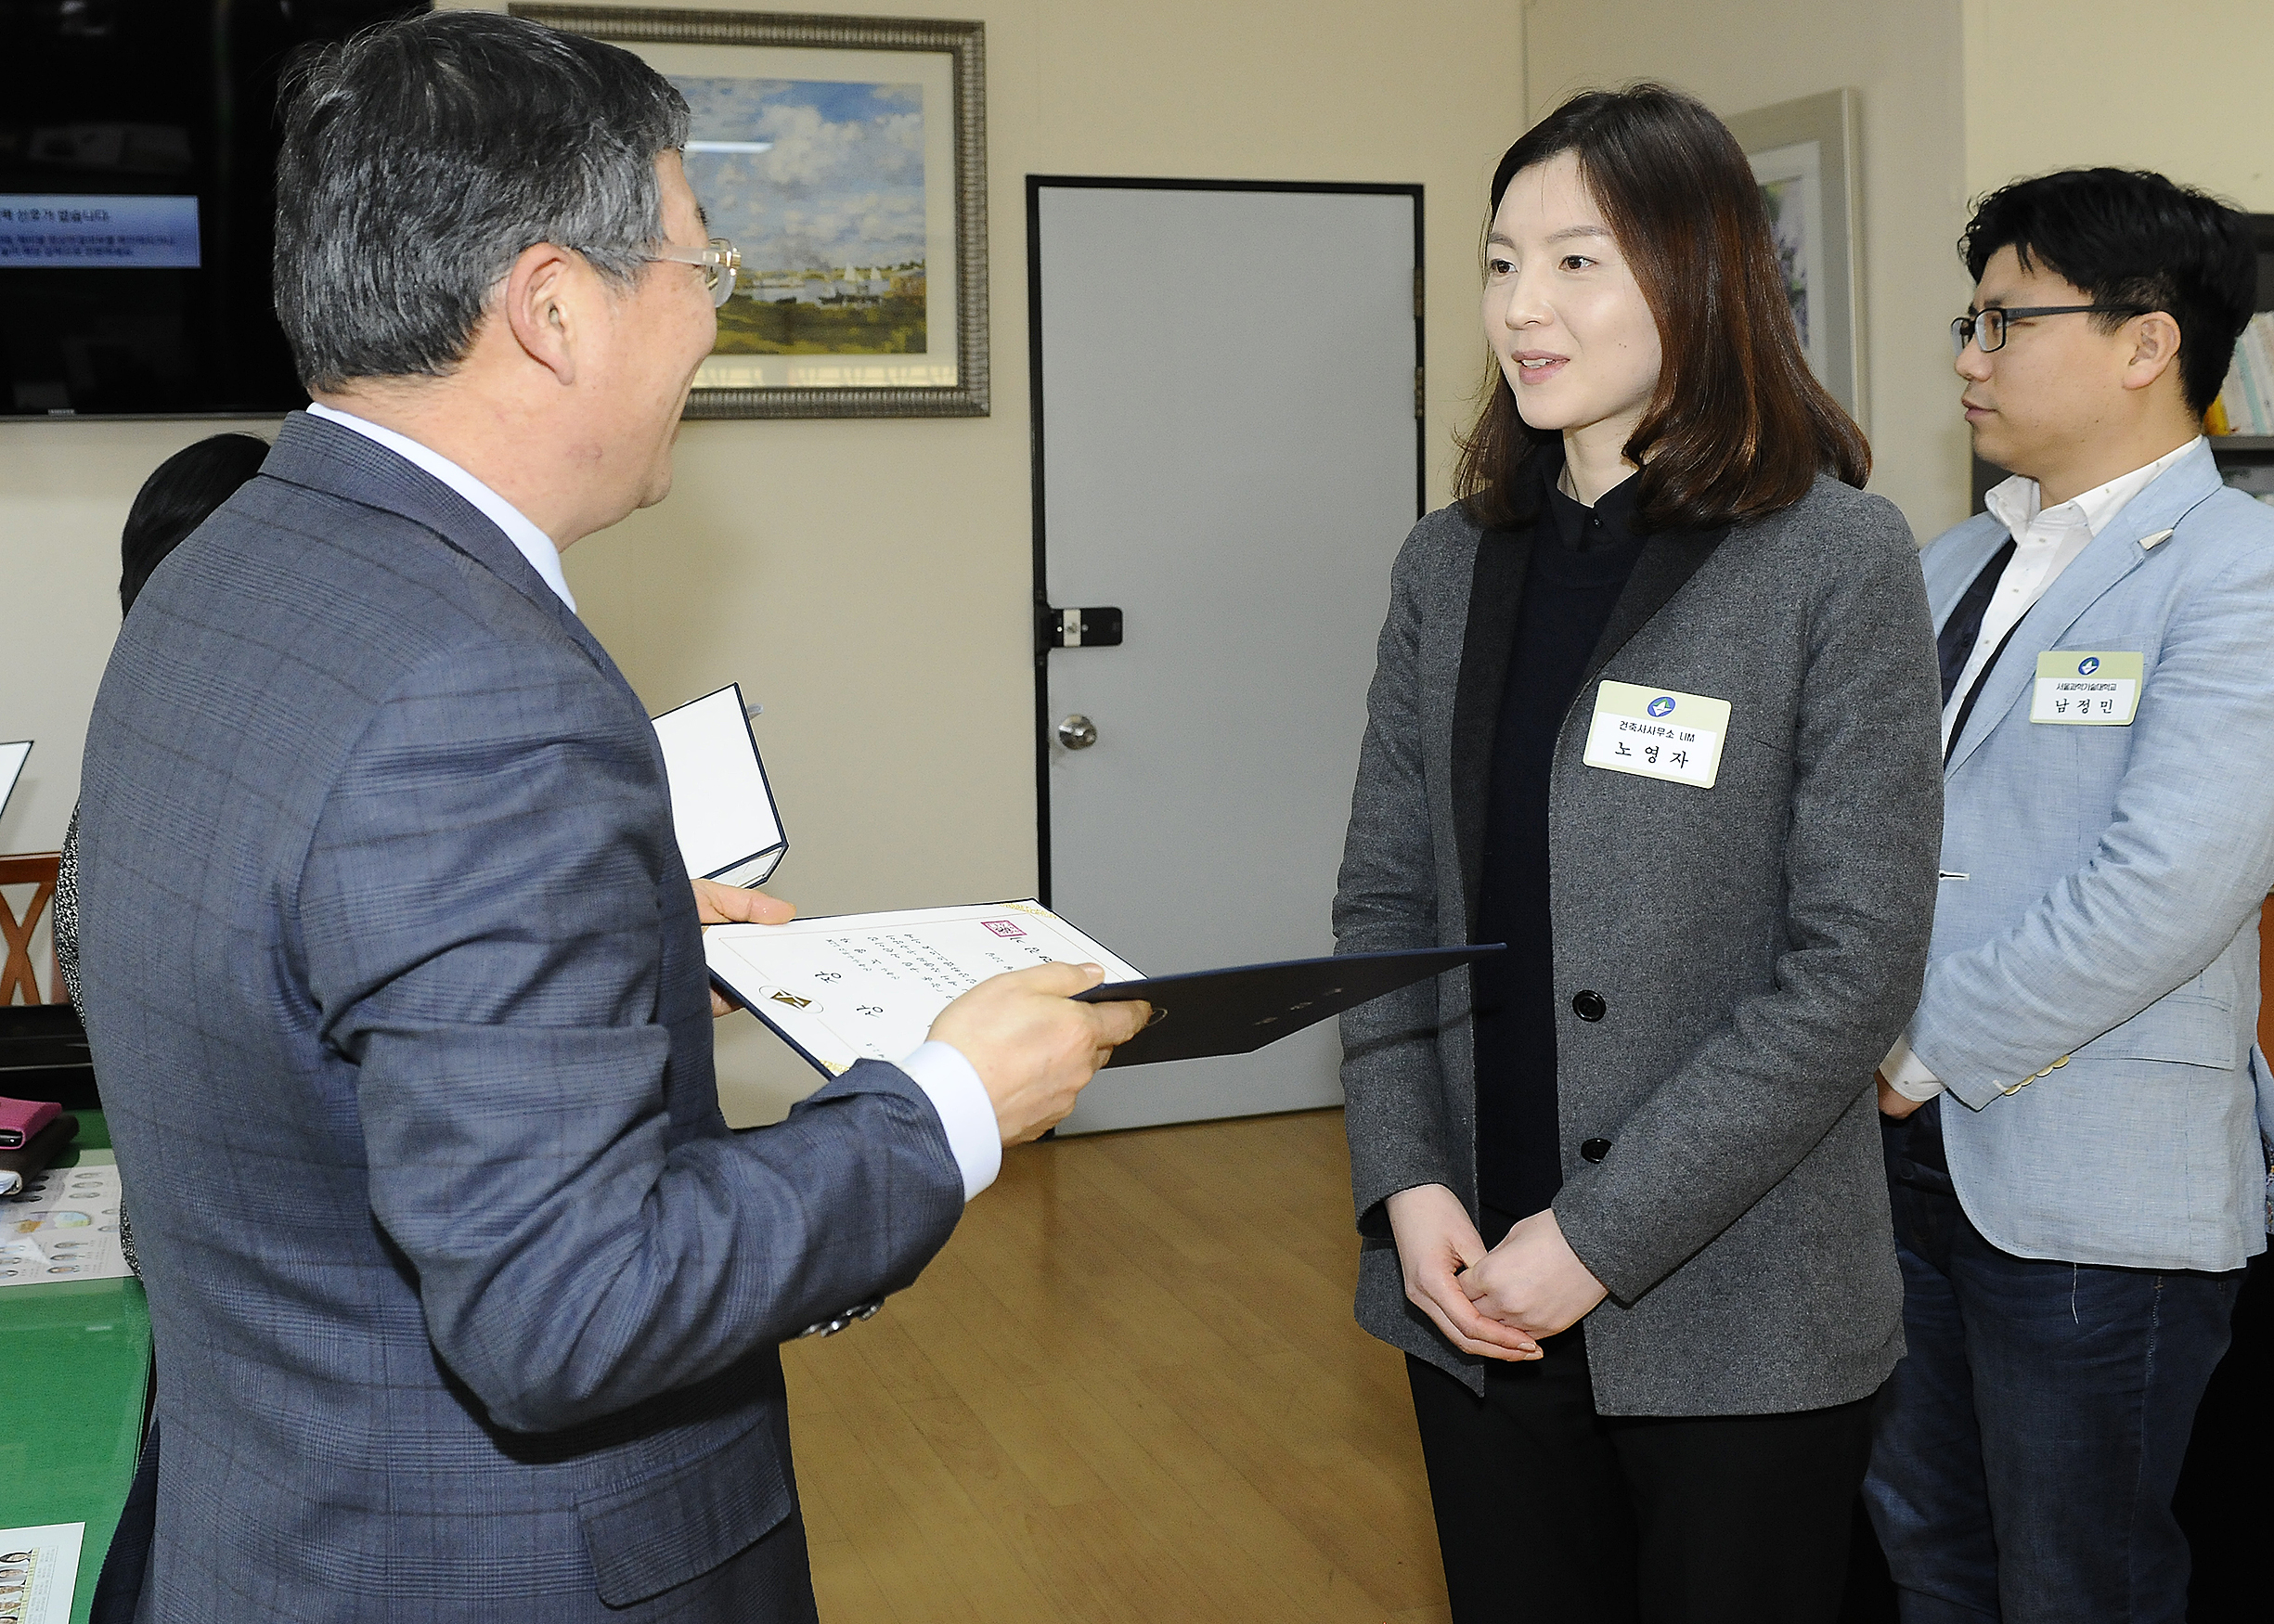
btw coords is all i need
(1738, 426)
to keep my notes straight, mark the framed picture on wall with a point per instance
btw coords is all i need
(845, 158)
(1805, 156)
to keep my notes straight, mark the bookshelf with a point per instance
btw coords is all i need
(2245, 460)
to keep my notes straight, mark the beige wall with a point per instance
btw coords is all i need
(2179, 87)
(868, 581)
(64, 491)
(1903, 57)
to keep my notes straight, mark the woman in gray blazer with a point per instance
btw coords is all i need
(1656, 707)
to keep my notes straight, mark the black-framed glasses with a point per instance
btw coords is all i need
(1990, 325)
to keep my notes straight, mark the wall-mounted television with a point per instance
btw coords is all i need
(137, 163)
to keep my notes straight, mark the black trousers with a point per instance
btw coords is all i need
(1546, 1509)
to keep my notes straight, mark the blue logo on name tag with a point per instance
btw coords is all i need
(2088, 665)
(1661, 706)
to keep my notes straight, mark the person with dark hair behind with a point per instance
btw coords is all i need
(2075, 1119)
(177, 497)
(1654, 706)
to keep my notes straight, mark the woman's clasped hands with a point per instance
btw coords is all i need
(1533, 1278)
(1496, 1303)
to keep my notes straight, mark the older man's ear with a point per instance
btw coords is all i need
(731, 905)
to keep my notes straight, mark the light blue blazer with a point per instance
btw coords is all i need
(2092, 994)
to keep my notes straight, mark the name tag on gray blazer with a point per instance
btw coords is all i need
(1658, 733)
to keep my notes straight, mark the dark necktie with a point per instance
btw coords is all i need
(1923, 1161)
(1954, 646)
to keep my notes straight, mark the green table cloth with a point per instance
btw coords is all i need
(77, 1356)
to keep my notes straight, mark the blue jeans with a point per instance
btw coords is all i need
(2027, 1446)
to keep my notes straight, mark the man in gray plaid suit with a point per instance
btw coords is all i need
(466, 1303)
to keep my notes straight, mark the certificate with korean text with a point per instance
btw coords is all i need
(868, 986)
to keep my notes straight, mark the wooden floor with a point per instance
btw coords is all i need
(1130, 1389)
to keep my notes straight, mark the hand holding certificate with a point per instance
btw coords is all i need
(1033, 1047)
(996, 982)
(717, 903)
(1033, 1004)
(870, 986)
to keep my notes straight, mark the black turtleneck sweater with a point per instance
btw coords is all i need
(1581, 559)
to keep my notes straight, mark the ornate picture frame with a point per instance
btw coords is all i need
(1807, 156)
(845, 156)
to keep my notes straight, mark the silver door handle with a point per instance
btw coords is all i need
(1078, 732)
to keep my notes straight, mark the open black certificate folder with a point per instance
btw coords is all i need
(1239, 1010)
(869, 985)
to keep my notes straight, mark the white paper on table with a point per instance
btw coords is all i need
(723, 808)
(39, 1572)
(11, 763)
(868, 986)
(61, 1225)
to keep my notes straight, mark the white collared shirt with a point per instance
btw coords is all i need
(532, 542)
(946, 1076)
(2046, 541)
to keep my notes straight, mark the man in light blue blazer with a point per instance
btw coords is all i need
(2075, 1114)
(466, 1303)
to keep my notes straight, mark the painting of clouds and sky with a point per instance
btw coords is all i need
(830, 216)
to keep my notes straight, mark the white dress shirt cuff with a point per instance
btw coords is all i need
(1907, 1075)
(966, 1111)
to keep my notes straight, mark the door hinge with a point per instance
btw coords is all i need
(1421, 394)
(1077, 629)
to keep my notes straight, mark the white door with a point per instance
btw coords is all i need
(1227, 451)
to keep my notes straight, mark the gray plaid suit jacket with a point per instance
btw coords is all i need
(466, 1301)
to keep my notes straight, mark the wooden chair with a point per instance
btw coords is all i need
(37, 869)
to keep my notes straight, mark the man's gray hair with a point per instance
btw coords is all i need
(421, 157)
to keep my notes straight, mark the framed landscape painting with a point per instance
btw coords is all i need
(845, 158)
(1806, 160)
